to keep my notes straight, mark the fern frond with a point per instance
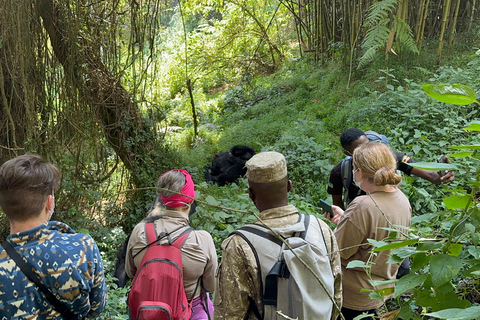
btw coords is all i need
(404, 36)
(376, 36)
(379, 11)
(367, 57)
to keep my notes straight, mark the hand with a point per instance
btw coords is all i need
(337, 211)
(448, 177)
(449, 174)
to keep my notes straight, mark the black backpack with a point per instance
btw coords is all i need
(346, 170)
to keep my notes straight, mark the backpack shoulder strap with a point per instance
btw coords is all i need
(152, 237)
(316, 235)
(346, 172)
(180, 240)
(257, 230)
(306, 221)
(374, 136)
(150, 232)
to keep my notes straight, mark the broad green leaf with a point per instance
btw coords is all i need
(473, 126)
(470, 146)
(211, 200)
(457, 202)
(462, 154)
(475, 238)
(408, 282)
(406, 313)
(386, 291)
(417, 219)
(374, 295)
(451, 300)
(474, 251)
(433, 166)
(404, 252)
(473, 271)
(430, 246)
(473, 183)
(450, 93)
(396, 245)
(456, 314)
(230, 228)
(455, 249)
(443, 268)
(357, 264)
(377, 283)
(393, 230)
(394, 259)
(470, 227)
(377, 243)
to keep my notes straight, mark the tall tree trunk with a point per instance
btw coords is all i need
(124, 127)
(131, 137)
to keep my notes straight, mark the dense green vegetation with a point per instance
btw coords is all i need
(300, 111)
(263, 74)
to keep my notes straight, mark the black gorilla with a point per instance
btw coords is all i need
(227, 167)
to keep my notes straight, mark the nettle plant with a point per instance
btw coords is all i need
(445, 279)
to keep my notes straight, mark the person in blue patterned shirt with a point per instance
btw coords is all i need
(68, 263)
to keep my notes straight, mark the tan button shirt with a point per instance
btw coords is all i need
(199, 257)
(238, 277)
(362, 221)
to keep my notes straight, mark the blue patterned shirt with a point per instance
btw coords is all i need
(68, 263)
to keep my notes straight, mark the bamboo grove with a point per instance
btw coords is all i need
(323, 25)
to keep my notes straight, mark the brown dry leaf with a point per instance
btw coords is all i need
(392, 315)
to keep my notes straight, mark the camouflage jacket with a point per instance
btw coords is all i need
(238, 279)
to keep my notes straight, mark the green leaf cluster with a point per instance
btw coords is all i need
(442, 260)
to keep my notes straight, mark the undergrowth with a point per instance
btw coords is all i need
(301, 110)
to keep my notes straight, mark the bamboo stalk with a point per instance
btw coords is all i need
(405, 10)
(334, 22)
(319, 30)
(446, 12)
(422, 26)
(454, 26)
(472, 15)
(420, 21)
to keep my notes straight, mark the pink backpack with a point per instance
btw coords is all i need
(157, 289)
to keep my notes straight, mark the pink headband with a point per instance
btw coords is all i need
(179, 200)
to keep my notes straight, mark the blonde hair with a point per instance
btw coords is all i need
(377, 162)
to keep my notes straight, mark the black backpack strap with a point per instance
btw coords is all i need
(27, 270)
(252, 307)
(306, 222)
(264, 234)
(204, 295)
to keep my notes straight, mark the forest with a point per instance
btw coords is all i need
(117, 92)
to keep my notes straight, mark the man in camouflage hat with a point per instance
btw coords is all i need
(239, 286)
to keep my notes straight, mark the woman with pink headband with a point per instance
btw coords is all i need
(176, 190)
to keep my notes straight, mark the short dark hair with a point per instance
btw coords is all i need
(349, 136)
(25, 182)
